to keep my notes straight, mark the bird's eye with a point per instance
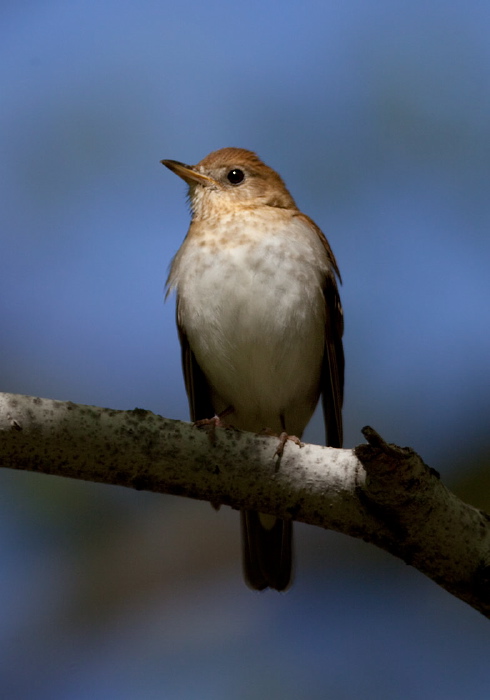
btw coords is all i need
(236, 176)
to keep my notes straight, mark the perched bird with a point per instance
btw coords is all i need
(259, 320)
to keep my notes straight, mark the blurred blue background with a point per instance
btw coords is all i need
(377, 115)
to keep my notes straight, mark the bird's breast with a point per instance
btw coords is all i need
(254, 314)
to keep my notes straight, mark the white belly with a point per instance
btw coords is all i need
(255, 319)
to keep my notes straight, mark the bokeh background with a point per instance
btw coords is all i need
(377, 114)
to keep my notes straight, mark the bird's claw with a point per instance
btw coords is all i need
(210, 424)
(283, 438)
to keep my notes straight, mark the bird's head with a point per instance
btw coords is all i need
(230, 179)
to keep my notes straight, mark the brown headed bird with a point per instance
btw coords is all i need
(259, 320)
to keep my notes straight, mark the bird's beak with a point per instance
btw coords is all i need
(188, 173)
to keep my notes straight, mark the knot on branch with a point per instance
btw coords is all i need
(395, 475)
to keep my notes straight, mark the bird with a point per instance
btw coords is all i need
(259, 321)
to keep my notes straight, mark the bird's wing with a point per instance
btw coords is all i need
(196, 385)
(333, 359)
(333, 365)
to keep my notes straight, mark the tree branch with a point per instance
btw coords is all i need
(378, 492)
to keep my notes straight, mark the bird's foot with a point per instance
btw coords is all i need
(283, 438)
(210, 424)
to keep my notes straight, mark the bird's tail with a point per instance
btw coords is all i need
(267, 550)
